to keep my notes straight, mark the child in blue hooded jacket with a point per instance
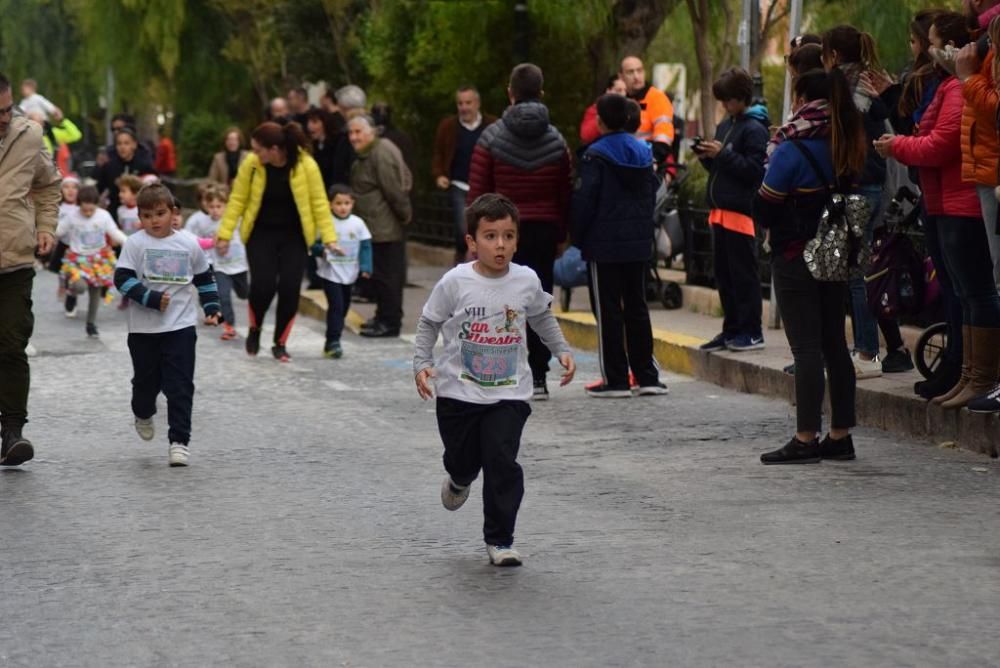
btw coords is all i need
(612, 224)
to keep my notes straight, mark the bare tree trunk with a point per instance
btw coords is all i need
(633, 25)
(700, 22)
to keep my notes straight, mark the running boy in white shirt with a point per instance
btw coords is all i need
(156, 269)
(340, 267)
(482, 378)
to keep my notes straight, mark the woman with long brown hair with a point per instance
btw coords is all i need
(279, 195)
(827, 154)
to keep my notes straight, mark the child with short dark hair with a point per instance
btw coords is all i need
(482, 378)
(89, 262)
(128, 213)
(735, 163)
(231, 270)
(612, 213)
(157, 268)
(340, 266)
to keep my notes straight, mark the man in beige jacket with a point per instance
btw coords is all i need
(29, 210)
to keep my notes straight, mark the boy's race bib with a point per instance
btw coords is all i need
(351, 248)
(163, 265)
(490, 349)
(234, 257)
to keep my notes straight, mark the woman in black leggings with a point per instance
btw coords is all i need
(279, 201)
(829, 149)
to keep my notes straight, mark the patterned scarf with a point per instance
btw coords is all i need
(810, 121)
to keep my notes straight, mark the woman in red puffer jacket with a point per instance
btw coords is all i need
(953, 210)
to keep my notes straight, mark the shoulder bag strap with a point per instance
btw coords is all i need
(814, 163)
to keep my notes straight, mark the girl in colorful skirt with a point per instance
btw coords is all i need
(89, 263)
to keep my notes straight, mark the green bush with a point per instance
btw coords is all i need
(694, 187)
(200, 138)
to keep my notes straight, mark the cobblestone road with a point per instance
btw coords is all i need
(308, 530)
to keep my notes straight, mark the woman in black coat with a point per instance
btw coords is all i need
(125, 159)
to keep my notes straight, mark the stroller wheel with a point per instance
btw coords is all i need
(672, 298)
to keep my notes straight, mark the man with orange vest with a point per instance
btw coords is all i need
(657, 125)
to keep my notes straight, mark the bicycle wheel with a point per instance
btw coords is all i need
(930, 349)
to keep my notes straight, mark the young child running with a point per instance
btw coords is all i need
(157, 267)
(231, 268)
(128, 213)
(89, 263)
(340, 267)
(70, 191)
(482, 378)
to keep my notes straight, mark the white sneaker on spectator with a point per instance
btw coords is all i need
(866, 368)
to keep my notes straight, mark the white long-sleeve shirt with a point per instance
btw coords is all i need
(87, 236)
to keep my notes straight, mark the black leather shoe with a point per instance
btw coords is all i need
(15, 449)
(841, 449)
(794, 452)
(380, 330)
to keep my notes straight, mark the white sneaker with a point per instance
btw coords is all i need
(145, 428)
(866, 368)
(71, 313)
(178, 454)
(451, 499)
(503, 555)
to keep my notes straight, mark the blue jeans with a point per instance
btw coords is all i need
(862, 320)
(228, 284)
(967, 255)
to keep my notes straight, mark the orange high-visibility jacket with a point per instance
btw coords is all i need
(657, 117)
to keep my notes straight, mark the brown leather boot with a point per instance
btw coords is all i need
(985, 353)
(966, 368)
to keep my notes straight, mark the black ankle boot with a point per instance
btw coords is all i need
(794, 452)
(15, 448)
(945, 378)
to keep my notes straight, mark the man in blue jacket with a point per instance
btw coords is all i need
(612, 224)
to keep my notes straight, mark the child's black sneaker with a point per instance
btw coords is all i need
(92, 331)
(794, 452)
(657, 390)
(70, 306)
(281, 354)
(540, 391)
(715, 345)
(841, 449)
(253, 341)
(333, 351)
(897, 361)
(605, 391)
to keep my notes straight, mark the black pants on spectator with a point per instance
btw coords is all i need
(536, 248)
(814, 314)
(277, 258)
(487, 437)
(388, 278)
(626, 334)
(16, 326)
(737, 278)
(164, 363)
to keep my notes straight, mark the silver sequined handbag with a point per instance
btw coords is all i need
(839, 251)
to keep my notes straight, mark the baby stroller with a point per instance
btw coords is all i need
(668, 240)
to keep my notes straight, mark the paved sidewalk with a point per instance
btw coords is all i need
(309, 531)
(886, 403)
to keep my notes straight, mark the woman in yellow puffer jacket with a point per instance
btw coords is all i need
(279, 203)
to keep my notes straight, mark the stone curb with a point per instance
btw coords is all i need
(908, 415)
